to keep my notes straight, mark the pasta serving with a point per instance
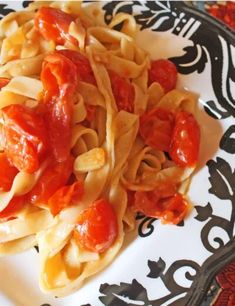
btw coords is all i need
(91, 132)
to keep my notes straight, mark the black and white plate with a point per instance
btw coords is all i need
(165, 265)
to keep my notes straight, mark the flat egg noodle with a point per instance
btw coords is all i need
(128, 163)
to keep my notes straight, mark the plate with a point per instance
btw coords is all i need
(163, 264)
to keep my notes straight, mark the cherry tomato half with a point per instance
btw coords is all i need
(7, 173)
(123, 92)
(59, 80)
(97, 227)
(175, 209)
(4, 82)
(84, 70)
(65, 196)
(54, 177)
(130, 198)
(14, 206)
(58, 73)
(25, 137)
(146, 202)
(163, 72)
(163, 203)
(156, 127)
(184, 148)
(53, 24)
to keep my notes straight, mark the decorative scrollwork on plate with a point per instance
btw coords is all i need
(145, 226)
(222, 179)
(135, 293)
(4, 10)
(227, 142)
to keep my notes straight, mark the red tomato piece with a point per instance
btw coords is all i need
(130, 198)
(163, 72)
(163, 203)
(4, 82)
(175, 209)
(97, 227)
(184, 148)
(156, 127)
(7, 173)
(59, 79)
(84, 70)
(123, 92)
(24, 135)
(54, 177)
(146, 202)
(53, 24)
(65, 196)
(14, 206)
(58, 73)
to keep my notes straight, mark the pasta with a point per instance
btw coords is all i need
(89, 136)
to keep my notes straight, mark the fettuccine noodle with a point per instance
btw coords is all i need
(110, 158)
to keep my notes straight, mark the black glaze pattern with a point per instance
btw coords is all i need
(134, 293)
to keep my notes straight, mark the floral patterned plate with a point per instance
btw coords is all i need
(160, 264)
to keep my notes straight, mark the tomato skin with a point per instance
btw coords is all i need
(14, 206)
(84, 70)
(123, 92)
(25, 137)
(4, 82)
(163, 203)
(65, 196)
(7, 174)
(156, 127)
(130, 198)
(53, 177)
(97, 228)
(184, 148)
(146, 202)
(53, 24)
(163, 72)
(58, 73)
(176, 208)
(59, 80)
